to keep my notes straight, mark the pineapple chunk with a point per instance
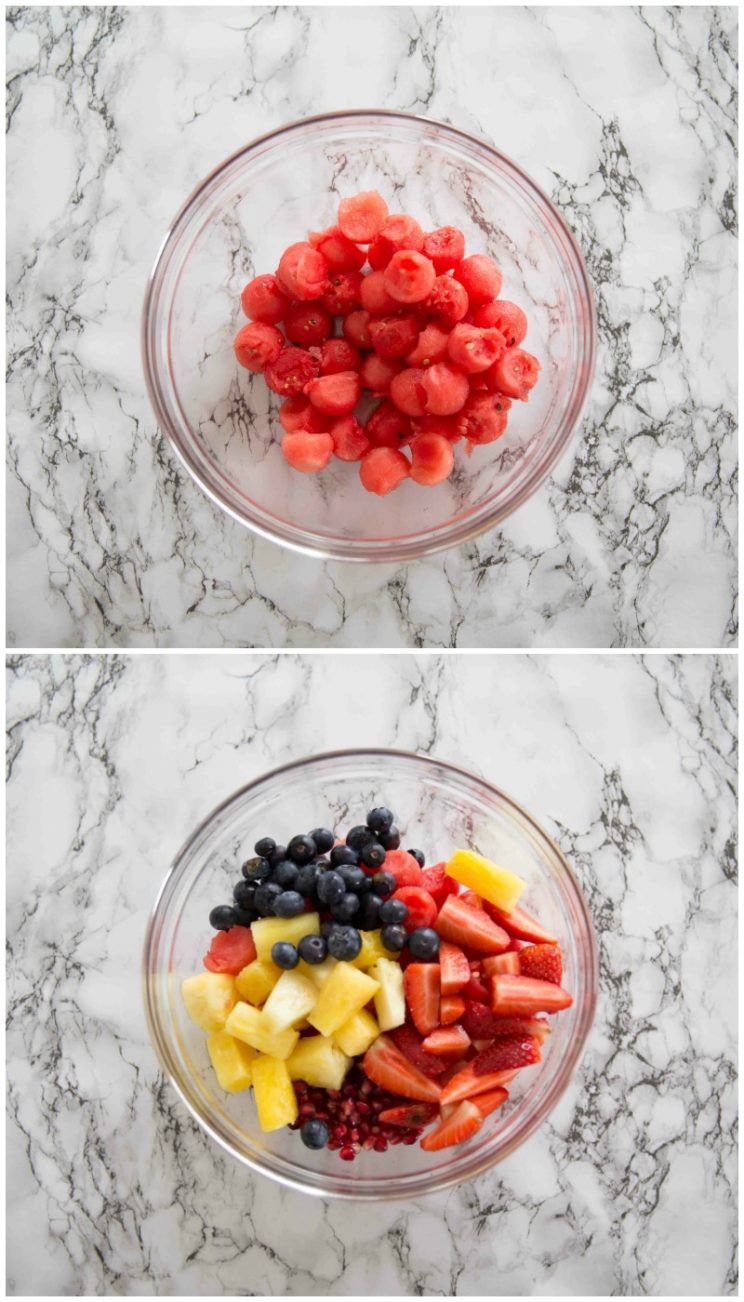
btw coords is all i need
(249, 1025)
(356, 1035)
(276, 1101)
(372, 949)
(390, 1000)
(500, 886)
(343, 994)
(231, 1060)
(291, 999)
(318, 1061)
(256, 981)
(317, 972)
(209, 997)
(267, 931)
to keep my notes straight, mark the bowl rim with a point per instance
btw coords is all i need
(395, 550)
(553, 1093)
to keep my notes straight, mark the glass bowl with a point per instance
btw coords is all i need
(221, 420)
(438, 807)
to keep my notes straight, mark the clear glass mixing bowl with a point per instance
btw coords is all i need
(221, 420)
(438, 807)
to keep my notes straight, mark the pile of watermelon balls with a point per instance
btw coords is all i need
(424, 330)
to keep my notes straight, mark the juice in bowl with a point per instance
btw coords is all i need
(324, 1028)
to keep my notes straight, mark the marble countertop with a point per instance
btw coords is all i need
(626, 118)
(628, 1189)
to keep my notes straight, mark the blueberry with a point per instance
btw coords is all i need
(278, 853)
(393, 938)
(285, 874)
(346, 909)
(254, 869)
(423, 942)
(343, 854)
(306, 879)
(373, 855)
(222, 918)
(380, 819)
(301, 849)
(419, 856)
(383, 884)
(352, 876)
(285, 955)
(263, 900)
(391, 839)
(344, 943)
(393, 911)
(245, 917)
(359, 836)
(265, 847)
(289, 904)
(323, 839)
(313, 949)
(327, 929)
(331, 888)
(314, 1133)
(369, 914)
(243, 894)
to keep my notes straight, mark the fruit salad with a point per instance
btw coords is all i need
(392, 339)
(369, 1000)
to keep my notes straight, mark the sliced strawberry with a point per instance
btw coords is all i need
(515, 945)
(471, 1079)
(454, 968)
(421, 985)
(410, 1043)
(405, 869)
(518, 995)
(508, 962)
(543, 962)
(521, 924)
(507, 1055)
(466, 926)
(384, 1064)
(422, 909)
(438, 884)
(481, 1024)
(473, 900)
(451, 1009)
(413, 1114)
(488, 1103)
(454, 1129)
(476, 992)
(448, 1042)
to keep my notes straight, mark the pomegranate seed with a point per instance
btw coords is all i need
(347, 1154)
(380, 1145)
(363, 1109)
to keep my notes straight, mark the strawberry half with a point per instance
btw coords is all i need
(451, 1009)
(421, 985)
(475, 901)
(508, 962)
(507, 1055)
(543, 962)
(481, 1024)
(454, 968)
(520, 924)
(411, 1043)
(384, 1064)
(412, 1114)
(488, 1103)
(470, 928)
(521, 995)
(453, 1129)
(476, 991)
(447, 1042)
(468, 1082)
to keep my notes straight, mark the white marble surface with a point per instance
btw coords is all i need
(628, 1190)
(626, 117)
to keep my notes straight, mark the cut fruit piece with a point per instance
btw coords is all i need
(292, 998)
(361, 216)
(451, 1009)
(382, 469)
(355, 1036)
(256, 981)
(520, 924)
(422, 909)
(387, 1067)
(467, 1083)
(508, 962)
(209, 998)
(410, 1115)
(343, 994)
(267, 931)
(481, 1024)
(463, 925)
(230, 951)
(276, 1101)
(421, 983)
(390, 1000)
(543, 962)
(248, 1024)
(507, 1055)
(453, 1129)
(448, 1042)
(438, 884)
(318, 972)
(476, 992)
(500, 886)
(475, 901)
(454, 968)
(320, 1062)
(232, 1061)
(410, 1043)
(517, 995)
(372, 950)
(488, 1103)
(405, 869)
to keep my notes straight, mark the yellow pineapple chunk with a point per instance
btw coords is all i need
(318, 1061)
(276, 1101)
(317, 972)
(249, 1025)
(500, 886)
(390, 1000)
(209, 997)
(356, 1035)
(372, 949)
(291, 999)
(231, 1060)
(267, 931)
(256, 981)
(343, 994)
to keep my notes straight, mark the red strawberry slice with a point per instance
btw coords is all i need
(451, 1009)
(507, 1055)
(520, 924)
(454, 968)
(508, 962)
(405, 869)
(466, 926)
(471, 1081)
(387, 1067)
(448, 1042)
(453, 1129)
(481, 1024)
(543, 962)
(410, 1043)
(421, 985)
(475, 901)
(488, 1103)
(518, 995)
(438, 884)
(412, 1114)
(422, 910)
(476, 992)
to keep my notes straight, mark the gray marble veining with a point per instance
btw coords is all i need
(629, 1189)
(625, 116)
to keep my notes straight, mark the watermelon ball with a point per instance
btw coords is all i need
(387, 427)
(307, 324)
(445, 247)
(298, 413)
(302, 272)
(445, 387)
(480, 278)
(335, 394)
(474, 349)
(339, 252)
(342, 293)
(483, 418)
(263, 300)
(374, 295)
(516, 373)
(383, 469)
(350, 441)
(356, 329)
(292, 370)
(394, 336)
(447, 426)
(408, 393)
(401, 232)
(308, 453)
(409, 277)
(377, 373)
(506, 317)
(448, 302)
(339, 355)
(257, 345)
(431, 346)
(432, 459)
(360, 217)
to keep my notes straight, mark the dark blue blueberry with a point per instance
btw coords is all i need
(323, 839)
(306, 879)
(390, 840)
(344, 943)
(353, 877)
(359, 836)
(369, 914)
(314, 1133)
(383, 884)
(419, 856)
(423, 942)
(393, 938)
(346, 909)
(222, 918)
(393, 911)
(265, 847)
(301, 849)
(327, 928)
(263, 900)
(285, 874)
(343, 854)
(331, 888)
(289, 904)
(243, 894)
(285, 955)
(278, 853)
(373, 855)
(245, 917)
(254, 869)
(313, 949)
(380, 819)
